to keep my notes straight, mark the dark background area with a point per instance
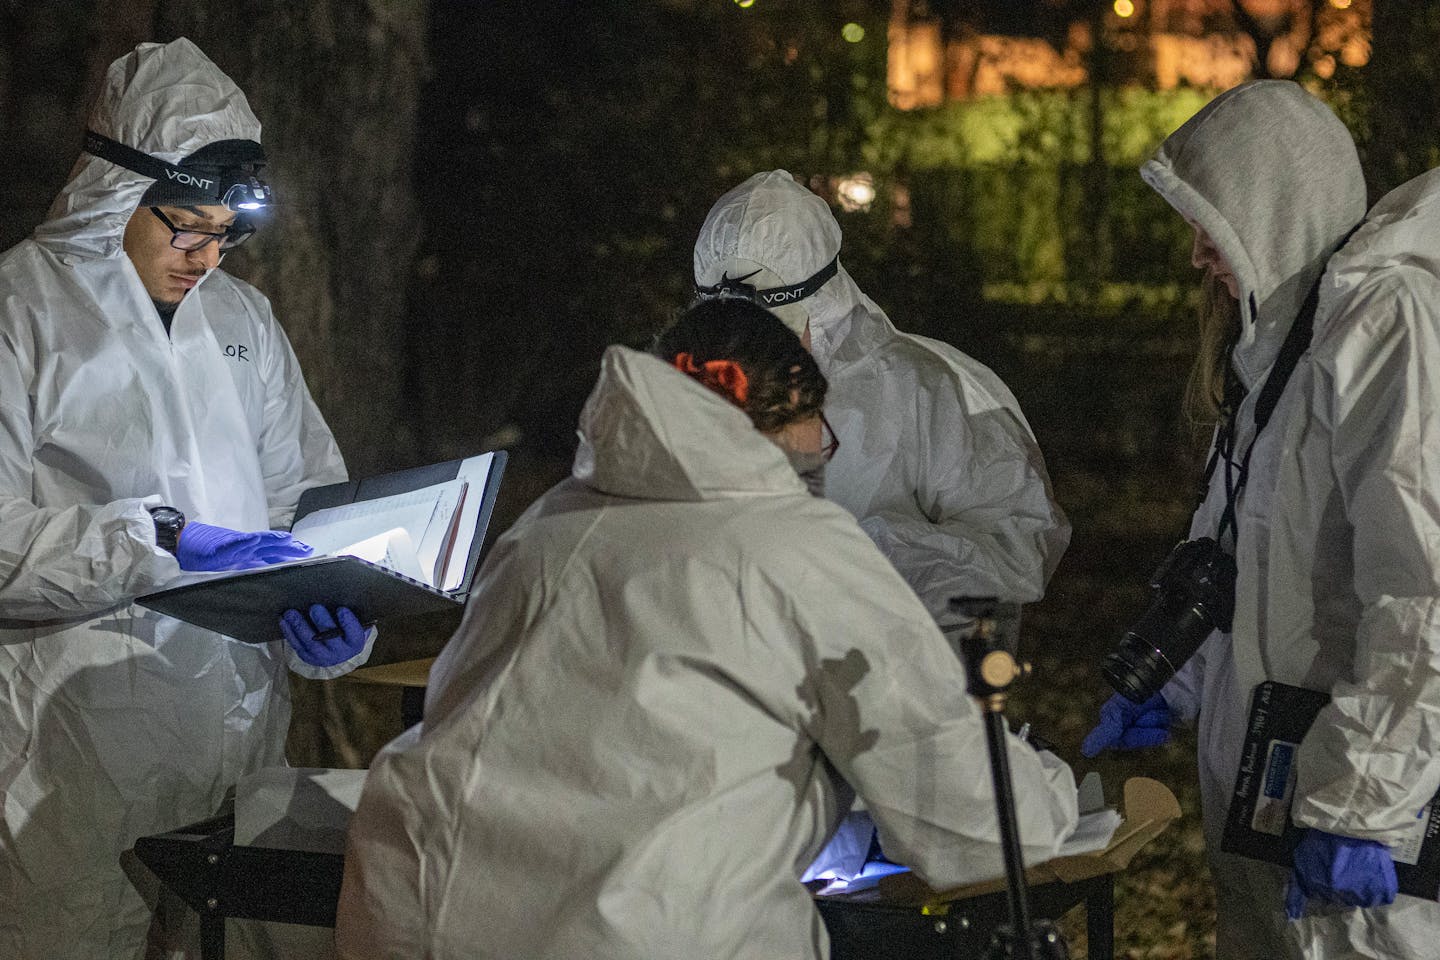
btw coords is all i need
(476, 198)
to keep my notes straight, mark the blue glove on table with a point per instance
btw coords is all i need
(203, 547)
(1343, 870)
(319, 641)
(1127, 726)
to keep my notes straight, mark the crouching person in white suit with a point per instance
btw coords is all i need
(678, 667)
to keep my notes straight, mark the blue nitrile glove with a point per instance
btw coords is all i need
(203, 547)
(1127, 726)
(319, 641)
(1343, 870)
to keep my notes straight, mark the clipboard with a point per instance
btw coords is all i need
(1259, 826)
(246, 605)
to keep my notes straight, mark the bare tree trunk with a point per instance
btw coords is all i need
(42, 99)
(1264, 35)
(1097, 168)
(335, 84)
(1404, 83)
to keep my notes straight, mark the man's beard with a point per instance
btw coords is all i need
(168, 307)
(166, 312)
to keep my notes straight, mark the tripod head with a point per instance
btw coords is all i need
(988, 649)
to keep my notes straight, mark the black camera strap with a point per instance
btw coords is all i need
(1297, 341)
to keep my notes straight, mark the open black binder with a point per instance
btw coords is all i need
(247, 605)
(1259, 824)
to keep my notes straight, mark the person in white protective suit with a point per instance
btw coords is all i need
(1338, 532)
(936, 460)
(677, 667)
(152, 418)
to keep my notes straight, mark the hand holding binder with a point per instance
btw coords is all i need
(397, 545)
(1343, 870)
(1259, 824)
(202, 546)
(318, 640)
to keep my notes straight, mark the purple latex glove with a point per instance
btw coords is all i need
(203, 547)
(1127, 726)
(1343, 870)
(319, 641)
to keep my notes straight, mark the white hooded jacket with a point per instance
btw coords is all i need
(116, 722)
(1339, 536)
(675, 667)
(936, 460)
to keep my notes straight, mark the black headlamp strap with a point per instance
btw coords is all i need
(144, 164)
(236, 186)
(772, 296)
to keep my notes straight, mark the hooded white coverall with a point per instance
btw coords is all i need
(1339, 530)
(644, 728)
(116, 722)
(936, 460)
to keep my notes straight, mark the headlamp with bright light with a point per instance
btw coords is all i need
(227, 177)
(247, 194)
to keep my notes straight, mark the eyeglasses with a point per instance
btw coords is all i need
(193, 240)
(830, 443)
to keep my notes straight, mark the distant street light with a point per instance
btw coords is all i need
(853, 32)
(1125, 8)
(744, 4)
(855, 192)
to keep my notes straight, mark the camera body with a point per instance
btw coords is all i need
(1194, 594)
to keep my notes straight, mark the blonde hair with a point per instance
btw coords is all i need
(1219, 316)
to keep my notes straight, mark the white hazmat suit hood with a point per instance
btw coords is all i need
(117, 722)
(936, 460)
(138, 107)
(1336, 546)
(626, 450)
(1272, 177)
(676, 668)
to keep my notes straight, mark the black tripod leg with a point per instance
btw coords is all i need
(212, 937)
(1100, 919)
(412, 706)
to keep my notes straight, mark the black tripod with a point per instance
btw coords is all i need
(988, 652)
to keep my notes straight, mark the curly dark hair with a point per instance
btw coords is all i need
(783, 384)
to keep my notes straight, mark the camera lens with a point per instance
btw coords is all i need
(1143, 662)
(1132, 675)
(1194, 596)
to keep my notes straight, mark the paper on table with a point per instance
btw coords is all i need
(1092, 832)
(843, 856)
(1097, 824)
(869, 876)
(847, 873)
